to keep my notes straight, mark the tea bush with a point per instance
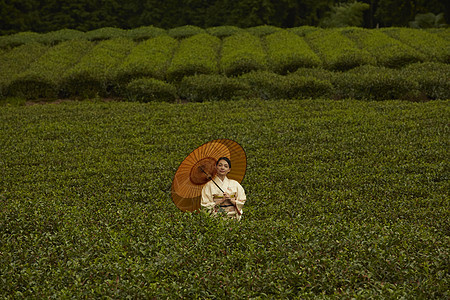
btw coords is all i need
(345, 199)
(242, 53)
(149, 58)
(223, 31)
(434, 47)
(196, 55)
(387, 51)
(433, 78)
(150, 89)
(263, 30)
(93, 74)
(443, 33)
(302, 30)
(56, 37)
(17, 60)
(105, 33)
(375, 83)
(42, 78)
(215, 87)
(185, 31)
(145, 32)
(268, 85)
(336, 51)
(18, 39)
(287, 52)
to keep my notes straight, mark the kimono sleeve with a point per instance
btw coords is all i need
(240, 197)
(207, 198)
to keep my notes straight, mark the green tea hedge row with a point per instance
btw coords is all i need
(185, 31)
(434, 47)
(433, 78)
(268, 85)
(150, 90)
(387, 51)
(287, 52)
(150, 58)
(224, 31)
(215, 87)
(263, 30)
(16, 61)
(145, 32)
(196, 55)
(42, 78)
(337, 51)
(95, 72)
(416, 82)
(374, 83)
(242, 53)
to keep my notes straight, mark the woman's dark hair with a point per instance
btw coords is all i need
(225, 159)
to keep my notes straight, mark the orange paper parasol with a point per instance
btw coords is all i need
(199, 167)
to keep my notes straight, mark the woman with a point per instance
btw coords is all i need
(231, 200)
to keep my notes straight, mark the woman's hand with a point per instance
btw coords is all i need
(227, 197)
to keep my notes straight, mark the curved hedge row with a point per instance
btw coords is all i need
(287, 52)
(337, 51)
(16, 61)
(434, 47)
(42, 78)
(242, 53)
(105, 67)
(95, 72)
(196, 55)
(150, 58)
(417, 82)
(387, 51)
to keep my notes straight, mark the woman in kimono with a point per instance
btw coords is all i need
(229, 202)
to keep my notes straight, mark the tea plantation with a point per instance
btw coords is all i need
(346, 198)
(194, 64)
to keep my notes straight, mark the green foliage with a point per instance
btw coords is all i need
(55, 37)
(150, 89)
(149, 58)
(107, 70)
(337, 51)
(17, 60)
(17, 39)
(105, 33)
(185, 31)
(302, 30)
(223, 31)
(267, 85)
(443, 33)
(346, 199)
(196, 55)
(434, 47)
(287, 52)
(433, 78)
(242, 53)
(387, 51)
(375, 83)
(145, 32)
(94, 73)
(263, 30)
(215, 87)
(345, 14)
(428, 20)
(42, 78)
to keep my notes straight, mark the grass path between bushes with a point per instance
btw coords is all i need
(345, 199)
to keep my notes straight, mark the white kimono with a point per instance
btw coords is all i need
(211, 194)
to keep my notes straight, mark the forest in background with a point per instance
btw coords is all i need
(45, 16)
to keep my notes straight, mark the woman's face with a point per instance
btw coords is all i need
(222, 168)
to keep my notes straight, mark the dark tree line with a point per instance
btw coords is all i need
(84, 15)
